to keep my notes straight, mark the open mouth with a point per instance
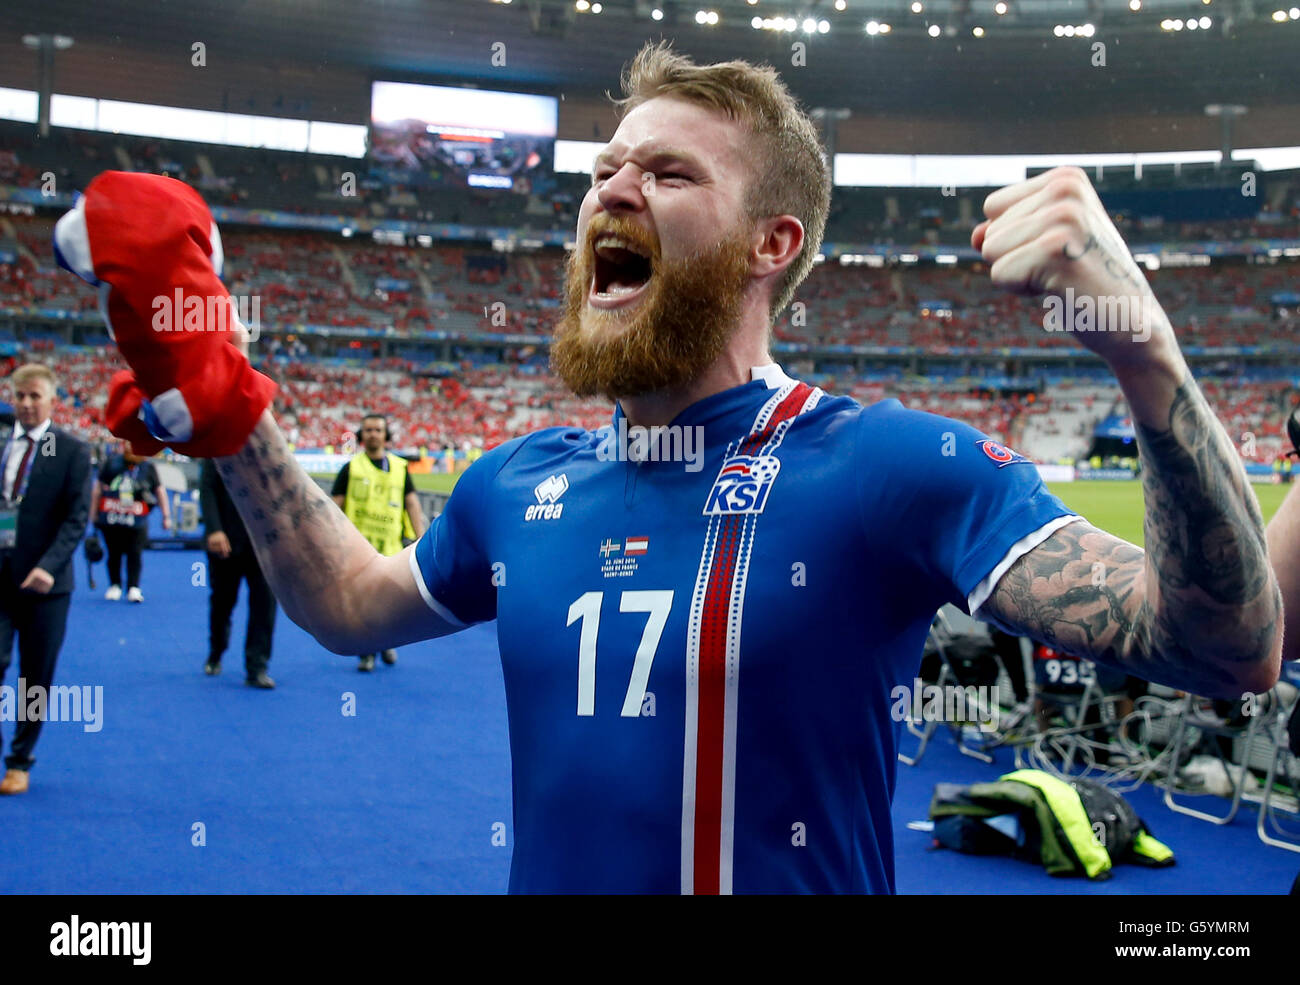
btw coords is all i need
(620, 272)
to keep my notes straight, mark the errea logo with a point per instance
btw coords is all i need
(548, 493)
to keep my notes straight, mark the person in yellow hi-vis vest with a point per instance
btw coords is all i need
(374, 489)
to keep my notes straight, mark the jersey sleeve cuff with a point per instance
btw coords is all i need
(980, 594)
(440, 610)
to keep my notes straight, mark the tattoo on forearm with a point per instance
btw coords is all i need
(1203, 527)
(296, 531)
(1114, 265)
(1198, 604)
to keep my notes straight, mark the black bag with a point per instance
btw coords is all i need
(1119, 821)
(94, 549)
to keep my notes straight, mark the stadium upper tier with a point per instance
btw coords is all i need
(317, 284)
(1176, 206)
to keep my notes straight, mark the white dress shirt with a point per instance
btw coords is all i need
(18, 450)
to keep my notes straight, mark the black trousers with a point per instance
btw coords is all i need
(128, 542)
(224, 575)
(39, 621)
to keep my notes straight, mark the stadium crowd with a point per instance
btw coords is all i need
(312, 281)
(324, 304)
(482, 405)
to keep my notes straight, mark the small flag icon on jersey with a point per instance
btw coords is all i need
(636, 545)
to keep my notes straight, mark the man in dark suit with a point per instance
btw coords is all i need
(44, 501)
(231, 558)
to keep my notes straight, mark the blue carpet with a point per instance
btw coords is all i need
(295, 797)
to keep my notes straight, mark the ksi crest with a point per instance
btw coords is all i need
(742, 485)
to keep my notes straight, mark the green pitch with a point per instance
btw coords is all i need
(1112, 506)
(435, 482)
(1117, 506)
(427, 483)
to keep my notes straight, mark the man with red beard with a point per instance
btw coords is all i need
(699, 663)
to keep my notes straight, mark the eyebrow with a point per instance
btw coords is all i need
(656, 153)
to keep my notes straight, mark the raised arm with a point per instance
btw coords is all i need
(328, 579)
(1200, 610)
(148, 237)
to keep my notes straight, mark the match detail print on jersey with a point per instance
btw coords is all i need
(713, 643)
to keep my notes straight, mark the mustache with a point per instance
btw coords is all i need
(624, 228)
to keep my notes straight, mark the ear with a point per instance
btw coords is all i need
(777, 242)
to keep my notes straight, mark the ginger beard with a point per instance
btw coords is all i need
(663, 340)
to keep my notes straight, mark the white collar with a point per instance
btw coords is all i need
(771, 374)
(34, 434)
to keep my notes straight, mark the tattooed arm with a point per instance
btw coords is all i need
(326, 576)
(1200, 609)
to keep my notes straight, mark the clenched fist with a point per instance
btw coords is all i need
(1051, 235)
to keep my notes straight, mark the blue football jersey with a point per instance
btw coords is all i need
(699, 656)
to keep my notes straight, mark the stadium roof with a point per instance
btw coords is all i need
(1019, 66)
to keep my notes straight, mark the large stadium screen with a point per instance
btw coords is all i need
(477, 138)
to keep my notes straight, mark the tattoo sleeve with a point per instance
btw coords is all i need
(305, 546)
(1200, 609)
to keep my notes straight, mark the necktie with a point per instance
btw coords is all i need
(22, 466)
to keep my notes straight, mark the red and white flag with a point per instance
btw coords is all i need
(636, 545)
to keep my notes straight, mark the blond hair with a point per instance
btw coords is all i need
(34, 371)
(791, 175)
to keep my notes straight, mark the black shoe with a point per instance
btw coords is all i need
(260, 679)
(367, 663)
(390, 657)
(212, 668)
